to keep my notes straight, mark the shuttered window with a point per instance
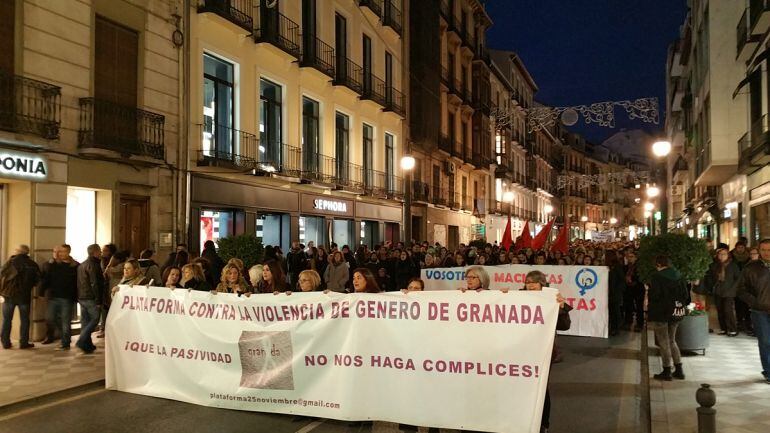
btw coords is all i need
(116, 63)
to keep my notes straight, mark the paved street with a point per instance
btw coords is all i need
(602, 375)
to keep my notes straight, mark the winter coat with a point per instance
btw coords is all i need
(18, 276)
(617, 285)
(666, 286)
(60, 280)
(336, 277)
(151, 271)
(91, 283)
(404, 273)
(726, 288)
(754, 285)
(216, 263)
(201, 286)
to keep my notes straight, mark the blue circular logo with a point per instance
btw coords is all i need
(586, 279)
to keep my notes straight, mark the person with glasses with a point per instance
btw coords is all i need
(476, 278)
(536, 280)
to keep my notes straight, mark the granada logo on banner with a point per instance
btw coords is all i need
(424, 359)
(584, 287)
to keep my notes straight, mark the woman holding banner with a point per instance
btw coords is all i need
(536, 280)
(476, 278)
(364, 282)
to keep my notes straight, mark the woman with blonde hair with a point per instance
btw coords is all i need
(309, 281)
(476, 278)
(233, 281)
(193, 278)
(255, 275)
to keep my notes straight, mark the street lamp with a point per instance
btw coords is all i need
(407, 165)
(584, 219)
(508, 198)
(547, 209)
(613, 220)
(661, 149)
(648, 207)
(653, 191)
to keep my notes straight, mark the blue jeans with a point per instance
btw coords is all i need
(60, 315)
(89, 318)
(8, 309)
(761, 322)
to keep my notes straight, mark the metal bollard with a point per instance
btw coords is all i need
(707, 415)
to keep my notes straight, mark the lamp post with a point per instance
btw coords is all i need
(407, 165)
(661, 149)
(584, 219)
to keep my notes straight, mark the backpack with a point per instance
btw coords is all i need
(9, 286)
(679, 299)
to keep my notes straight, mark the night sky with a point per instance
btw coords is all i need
(584, 51)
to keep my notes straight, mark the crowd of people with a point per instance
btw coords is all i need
(737, 283)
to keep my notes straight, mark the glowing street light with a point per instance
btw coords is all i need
(647, 214)
(653, 191)
(407, 162)
(508, 196)
(548, 209)
(661, 148)
(584, 218)
(613, 220)
(649, 207)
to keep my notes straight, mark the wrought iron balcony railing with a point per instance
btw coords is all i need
(392, 17)
(319, 55)
(239, 12)
(350, 75)
(317, 167)
(374, 89)
(122, 129)
(439, 196)
(420, 191)
(30, 106)
(374, 5)
(276, 29)
(394, 101)
(445, 143)
(221, 144)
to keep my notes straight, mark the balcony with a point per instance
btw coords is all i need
(350, 176)
(374, 89)
(445, 143)
(319, 55)
(29, 106)
(420, 191)
(754, 147)
(393, 17)
(467, 40)
(374, 5)
(708, 194)
(480, 161)
(454, 200)
(458, 151)
(466, 202)
(439, 196)
(746, 40)
(237, 12)
(317, 167)
(278, 30)
(394, 101)
(481, 103)
(228, 147)
(122, 129)
(760, 16)
(350, 75)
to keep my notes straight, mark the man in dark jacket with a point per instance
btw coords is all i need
(296, 262)
(666, 288)
(216, 264)
(18, 276)
(149, 268)
(633, 298)
(91, 287)
(60, 286)
(754, 289)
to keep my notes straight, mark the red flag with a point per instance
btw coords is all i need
(562, 241)
(507, 241)
(542, 237)
(525, 240)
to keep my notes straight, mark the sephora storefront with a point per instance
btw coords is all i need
(222, 208)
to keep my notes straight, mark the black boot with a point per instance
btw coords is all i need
(678, 372)
(664, 375)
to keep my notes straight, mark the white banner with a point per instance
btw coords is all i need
(584, 287)
(441, 359)
(602, 236)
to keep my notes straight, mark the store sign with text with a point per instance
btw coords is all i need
(326, 205)
(23, 165)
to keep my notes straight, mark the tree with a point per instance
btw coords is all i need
(688, 255)
(244, 247)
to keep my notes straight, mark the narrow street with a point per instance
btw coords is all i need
(600, 375)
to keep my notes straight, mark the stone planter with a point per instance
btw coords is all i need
(693, 333)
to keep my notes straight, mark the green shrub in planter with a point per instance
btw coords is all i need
(688, 255)
(244, 247)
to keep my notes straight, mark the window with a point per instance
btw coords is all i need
(270, 124)
(342, 146)
(341, 43)
(389, 76)
(436, 183)
(368, 151)
(310, 135)
(390, 155)
(366, 55)
(218, 108)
